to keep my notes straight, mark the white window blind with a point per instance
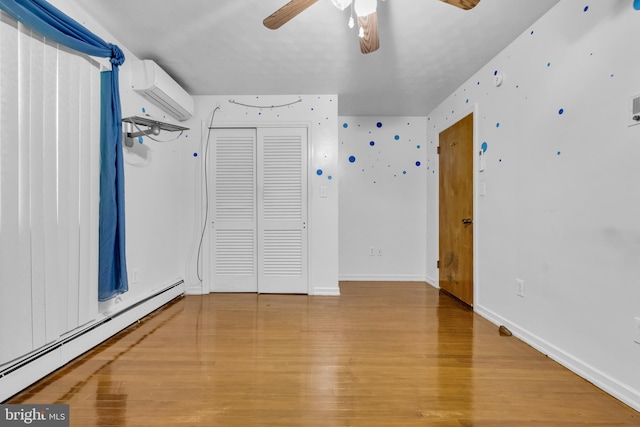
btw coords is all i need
(49, 189)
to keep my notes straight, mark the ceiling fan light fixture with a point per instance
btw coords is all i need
(341, 4)
(365, 7)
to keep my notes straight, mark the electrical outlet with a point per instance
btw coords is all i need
(520, 287)
(133, 275)
(379, 252)
(372, 251)
(636, 333)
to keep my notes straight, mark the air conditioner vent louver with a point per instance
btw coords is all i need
(155, 84)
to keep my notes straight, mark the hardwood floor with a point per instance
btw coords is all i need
(381, 354)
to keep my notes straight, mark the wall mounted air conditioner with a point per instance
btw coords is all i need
(155, 84)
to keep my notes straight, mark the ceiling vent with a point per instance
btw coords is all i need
(157, 86)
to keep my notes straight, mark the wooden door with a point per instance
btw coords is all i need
(282, 209)
(456, 210)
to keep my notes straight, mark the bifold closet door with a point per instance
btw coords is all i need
(234, 212)
(282, 210)
(259, 210)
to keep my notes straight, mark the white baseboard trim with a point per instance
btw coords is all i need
(193, 290)
(328, 291)
(433, 282)
(41, 363)
(382, 278)
(610, 385)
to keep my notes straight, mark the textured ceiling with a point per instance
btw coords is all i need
(220, 47)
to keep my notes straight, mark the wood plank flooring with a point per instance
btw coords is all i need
(381, 354)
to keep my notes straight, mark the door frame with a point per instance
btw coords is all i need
(476, 184)
(205, 186)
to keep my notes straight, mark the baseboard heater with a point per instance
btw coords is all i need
(163, 296)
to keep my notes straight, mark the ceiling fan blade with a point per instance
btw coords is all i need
(463, 4)
(370, 41)
(286, 13)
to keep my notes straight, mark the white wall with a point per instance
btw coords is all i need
(561, 207)
(320, 114)
(382, 164)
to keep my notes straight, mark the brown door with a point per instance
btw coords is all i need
(456, 210)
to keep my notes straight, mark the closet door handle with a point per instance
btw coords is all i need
(467, 221)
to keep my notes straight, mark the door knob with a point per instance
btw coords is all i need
(467, 221)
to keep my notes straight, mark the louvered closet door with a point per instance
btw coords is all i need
(282, 207)
(233, 224)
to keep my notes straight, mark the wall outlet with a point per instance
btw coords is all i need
(372, 251)
(133, 276)
(520, 287)
(379, 251)
(636, 333)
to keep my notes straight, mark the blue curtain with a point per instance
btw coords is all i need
(45, 19)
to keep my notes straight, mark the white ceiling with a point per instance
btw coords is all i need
(220, 47)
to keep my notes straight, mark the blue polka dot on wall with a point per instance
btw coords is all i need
(345, 125)
(352, 159)
(379, 124)
(319, 172)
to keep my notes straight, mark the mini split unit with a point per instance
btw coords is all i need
(157, 86)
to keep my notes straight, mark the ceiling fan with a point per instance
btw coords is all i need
(365, 11)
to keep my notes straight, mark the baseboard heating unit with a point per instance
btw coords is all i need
(21, 373)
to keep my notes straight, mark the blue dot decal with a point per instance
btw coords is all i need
(418, 163)
(548, 64)
(352, 159)
(140, 140)
(585, 8)
(329, 177)
(195, 154)
(319, 172)
(498, 124)
(495, 73)
(144, 110)
(561, 111)
(397, 137)
(379, 124)
(345, 125)
(404, 172)
(484, 146)
(418, 147)
(467, 101)
(372, 143)
(558, 153)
